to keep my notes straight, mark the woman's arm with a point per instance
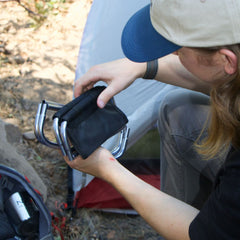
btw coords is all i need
(168, 216)
(121, 73)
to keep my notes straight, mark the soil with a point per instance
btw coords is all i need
(37, 61)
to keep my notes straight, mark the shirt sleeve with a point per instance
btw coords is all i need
(220, 216)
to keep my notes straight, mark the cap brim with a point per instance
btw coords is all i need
(141, 42)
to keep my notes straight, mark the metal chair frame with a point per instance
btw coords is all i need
(62, 141)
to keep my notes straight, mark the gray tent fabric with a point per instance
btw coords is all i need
(101, 42)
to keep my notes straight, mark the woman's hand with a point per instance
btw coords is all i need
(118, 75)
(96, 164)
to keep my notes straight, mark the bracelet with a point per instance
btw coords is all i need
(152, 68)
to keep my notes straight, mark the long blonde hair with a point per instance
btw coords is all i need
(224, 126)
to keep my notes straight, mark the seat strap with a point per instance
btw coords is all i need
(4, 184)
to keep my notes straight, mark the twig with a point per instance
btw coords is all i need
(27, 9)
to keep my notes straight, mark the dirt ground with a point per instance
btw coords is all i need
(38, 62)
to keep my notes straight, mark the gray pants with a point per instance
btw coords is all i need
(184, 174)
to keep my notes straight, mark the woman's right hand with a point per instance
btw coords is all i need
(118, 75)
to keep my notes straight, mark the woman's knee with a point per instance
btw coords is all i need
(182, 110)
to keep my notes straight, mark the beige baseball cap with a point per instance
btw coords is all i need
(165, 25)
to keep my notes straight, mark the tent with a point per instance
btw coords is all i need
(101, 43)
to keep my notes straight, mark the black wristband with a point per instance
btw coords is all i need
(152, 68)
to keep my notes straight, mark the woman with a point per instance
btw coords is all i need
(203, 37)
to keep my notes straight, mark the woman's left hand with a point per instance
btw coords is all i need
(95, 164)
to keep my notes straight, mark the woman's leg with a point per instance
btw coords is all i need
(184, 173)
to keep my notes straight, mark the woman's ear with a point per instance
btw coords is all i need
(230, 61)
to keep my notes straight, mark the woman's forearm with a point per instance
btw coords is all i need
(168, 216)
